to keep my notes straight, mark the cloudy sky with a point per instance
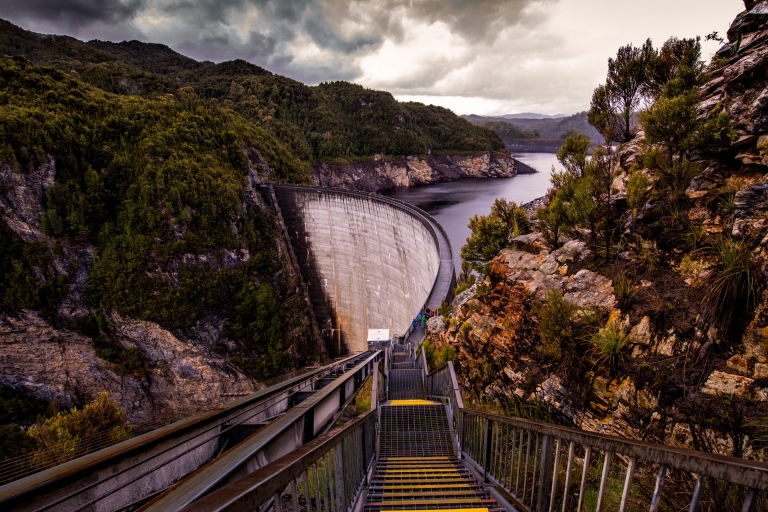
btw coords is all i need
(473, 56)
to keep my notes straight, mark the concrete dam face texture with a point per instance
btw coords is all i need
(369, 263)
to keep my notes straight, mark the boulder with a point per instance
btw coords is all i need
(540, 273)
(721, 383)
(49, 363)
(642, 332)
(738, 363)
(462, 299)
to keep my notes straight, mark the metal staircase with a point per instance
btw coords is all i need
(418, 449)
(417, 467)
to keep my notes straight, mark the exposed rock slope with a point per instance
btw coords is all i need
(381, 174)
(180, 372)
(679, 380)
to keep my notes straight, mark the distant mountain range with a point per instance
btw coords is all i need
(531, 115)
(548, 127)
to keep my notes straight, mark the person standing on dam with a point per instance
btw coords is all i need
(414, 324)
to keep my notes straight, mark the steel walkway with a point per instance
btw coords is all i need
(417, 468)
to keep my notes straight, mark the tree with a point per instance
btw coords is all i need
(614, 104)
(676, 68)
(672, 122)
(568, 206)
(491, 233)
(600, 174)
(573, 153)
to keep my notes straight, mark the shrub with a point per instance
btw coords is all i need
(695, 235)
(444, 309)
(445, 354)
(610, 344)
(465, 328)
(655, 158)
(649, 253)
(726, 204)
(62, 434)
(637, 189)
(556, 326)
(625, 289)
(429, 354)
(364, 396)
(491, 233)
(674, 211)
(732, 290)
(690, 268)
(467, 283)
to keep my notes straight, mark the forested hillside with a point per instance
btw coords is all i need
(558, 128)
(332, 122)
(133, 245)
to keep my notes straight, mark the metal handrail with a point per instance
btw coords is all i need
(302, 420)
(748, 473)
(150, 452)
(526, 458)
(340, 459)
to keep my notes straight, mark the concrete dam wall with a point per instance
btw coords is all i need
(370, 262)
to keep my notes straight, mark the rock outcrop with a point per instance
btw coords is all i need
(21, 198)
(381, 174)
(182, 376)
(679, 381)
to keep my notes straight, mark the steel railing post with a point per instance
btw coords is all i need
(545, 474)
(487, 464)
(338, 467)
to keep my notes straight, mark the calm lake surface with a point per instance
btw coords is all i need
(452, 204)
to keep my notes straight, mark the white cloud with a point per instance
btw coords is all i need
(554, 66)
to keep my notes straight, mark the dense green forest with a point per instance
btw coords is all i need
(145, 181)
(331, 122)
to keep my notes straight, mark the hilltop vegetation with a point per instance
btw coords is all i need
(333, 122)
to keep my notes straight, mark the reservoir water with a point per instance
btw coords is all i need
(453, 203)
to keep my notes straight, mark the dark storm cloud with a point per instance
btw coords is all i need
(473, 19)
(212, 29)
(74, 17)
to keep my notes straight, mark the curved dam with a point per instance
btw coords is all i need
(369, 261)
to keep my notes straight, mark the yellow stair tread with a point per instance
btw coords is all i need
(438, 486)
(442, 510)
(423, 470)
(416, 458)
(391, 494)
(433, 502)
(413, 402)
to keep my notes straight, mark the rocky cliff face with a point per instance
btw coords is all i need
(680, 382)
(45, 356)
(183, 375)
(381, 174)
